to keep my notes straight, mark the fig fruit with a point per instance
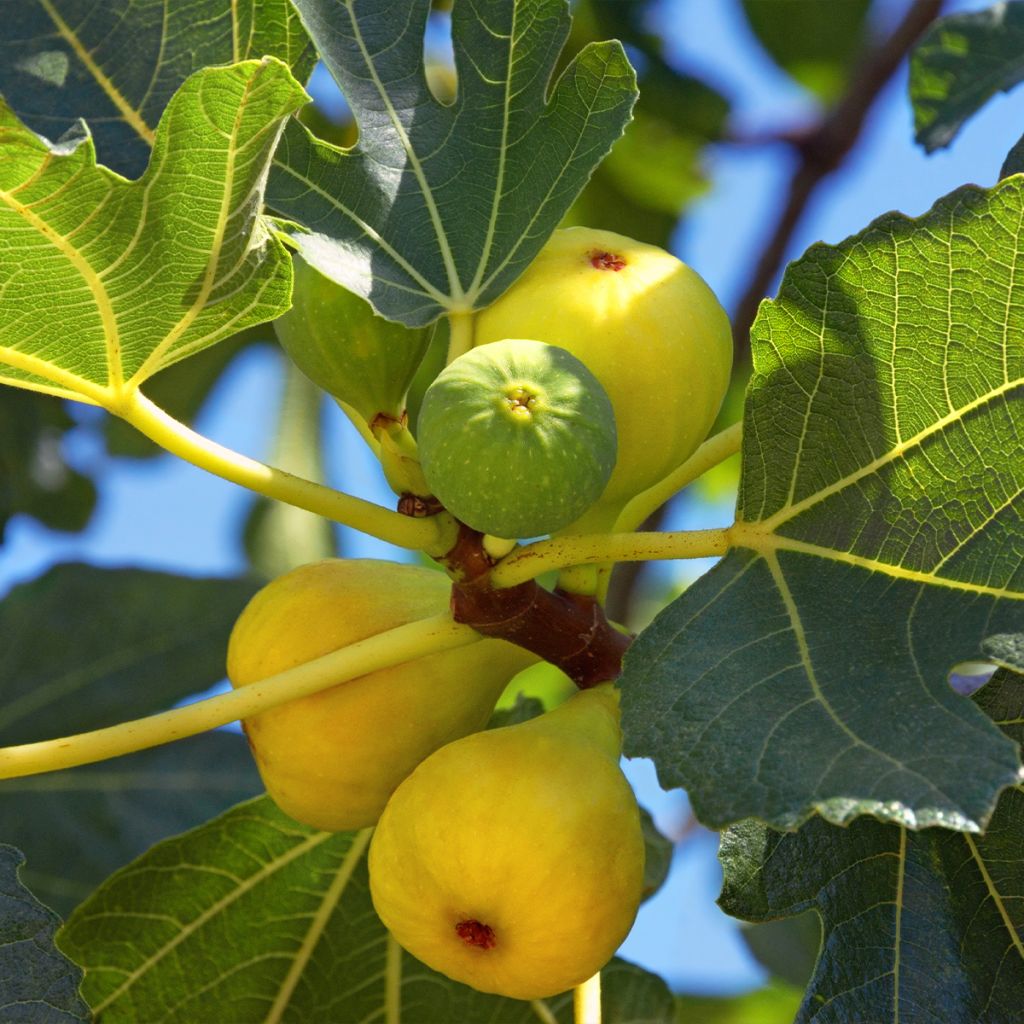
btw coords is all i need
(331, 760)
(650, 330)
(513, 860)
(517, 438)
(338, 341)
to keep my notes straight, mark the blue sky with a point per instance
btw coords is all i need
(164, 514)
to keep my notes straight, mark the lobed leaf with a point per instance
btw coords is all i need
(900, 909)
(117, 63)
(38, 985)
(960, 63)
(440, 207)
(254, 917)
(149, 271)
(878, 540)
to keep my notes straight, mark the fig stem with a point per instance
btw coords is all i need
(528, 562)
(393, 646)
(714, 450)
(460, 337)
(433, 535)
(586, 1001)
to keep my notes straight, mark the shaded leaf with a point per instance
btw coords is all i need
(788, 947)
(438, 206)
(117, 63)
(658, 851)
(86, 648)
(38, 985)
(961, 62)
(1006, 649)
(34, 478)
(816, 44)
(253, 915)
(148, 271)
(900, 909)
(77, 827)
(877, 543)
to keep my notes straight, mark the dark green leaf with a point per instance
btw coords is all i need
(34, 478)
(1006, 649)
(877, 541)
(440, 207)
(85, 648)
(658, 851)
(37, 984)
(788, 947)
(816, 43)
(961, 62)
(77, 827)
(253, 915)
(117, 63)
(900, 909)
(522, 710)
(1014, 162)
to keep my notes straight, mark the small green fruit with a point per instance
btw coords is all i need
(650, 330)
(332, 760)
(517, 438)
(338, 341)
(513, 860)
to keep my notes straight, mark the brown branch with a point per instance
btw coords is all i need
(822, 149)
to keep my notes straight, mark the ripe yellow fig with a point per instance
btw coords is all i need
(648, 328)
(513, 860)
(332, 760)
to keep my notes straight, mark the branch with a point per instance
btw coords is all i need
(822, 149)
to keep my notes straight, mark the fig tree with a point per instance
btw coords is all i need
(513, 860)
(517, 438)
(331, 760)
(650, 330)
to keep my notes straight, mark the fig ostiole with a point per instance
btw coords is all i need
(512, 860)
(648, 328)
(516, 439)
(331, 760)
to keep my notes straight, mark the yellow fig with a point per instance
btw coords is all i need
(331, 760)
(648, 328)
(513, 860)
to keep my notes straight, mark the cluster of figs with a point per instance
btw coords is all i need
(510, 859)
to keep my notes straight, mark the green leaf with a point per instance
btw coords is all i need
(1006, 649)
(86, 648)
(816, 43)
(658, 851)
(253, 917)
(149, 271)
(774, 1004)
(117, 64)
(34, 478)
(37, 984)
(77, 827)
(961, 62)
(1014, 162)
(900, 909)
(440, 207)
(876, 545)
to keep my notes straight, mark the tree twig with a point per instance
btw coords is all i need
(821, 150)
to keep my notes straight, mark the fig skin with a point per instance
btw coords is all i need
(512, 860)
(516, 439)
(331, 760)
(650, 330)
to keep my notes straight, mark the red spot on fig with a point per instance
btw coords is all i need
(475, 933)
(600, 259)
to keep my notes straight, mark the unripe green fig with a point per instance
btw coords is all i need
(513, 860)
(650, 330)
(331, 760)
(517, 438)
(338, 341)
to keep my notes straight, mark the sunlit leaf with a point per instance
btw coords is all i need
(148, 271)
(877, 541)
(961, 62)
(254, 917)
(117, 63)
(438, 206)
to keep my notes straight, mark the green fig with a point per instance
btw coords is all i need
(513, 860)
(331, 760)
(338, 341)
(650, 330)
(517, 438)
